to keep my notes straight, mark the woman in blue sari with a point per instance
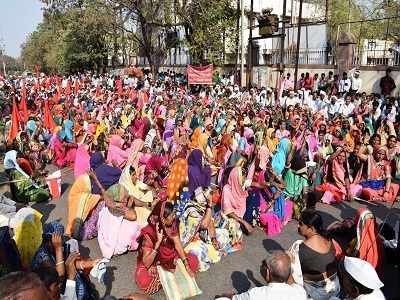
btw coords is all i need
(280, 156)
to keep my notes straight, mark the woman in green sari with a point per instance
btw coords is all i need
(25, 190)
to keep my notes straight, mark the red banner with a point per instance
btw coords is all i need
(200, 75)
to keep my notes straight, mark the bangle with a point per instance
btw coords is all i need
(60, 263)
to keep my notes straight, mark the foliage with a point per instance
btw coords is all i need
(340, 12)
(71, 37)
(208, 24)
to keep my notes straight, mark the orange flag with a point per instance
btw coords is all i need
(24, 108)
(14, 129)
(48, 121)
(68, 88)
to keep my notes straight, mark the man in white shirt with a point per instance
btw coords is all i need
(356, 82)
(347, 108)
(344, 84)
(334, 107)
(292, 99)
(277, 272)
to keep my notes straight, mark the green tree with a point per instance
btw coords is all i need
(208, 24)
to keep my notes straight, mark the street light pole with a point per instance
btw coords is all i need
(298, 45)
(282, 65)
(242, 45)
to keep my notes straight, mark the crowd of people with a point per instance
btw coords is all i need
(180, 174)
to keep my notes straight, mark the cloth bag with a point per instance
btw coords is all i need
(178, 285)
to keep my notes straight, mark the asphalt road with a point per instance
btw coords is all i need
(235, 273)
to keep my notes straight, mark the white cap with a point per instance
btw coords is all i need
(363, 272)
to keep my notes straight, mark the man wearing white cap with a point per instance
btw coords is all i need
(359, 280)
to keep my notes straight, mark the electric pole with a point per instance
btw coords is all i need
(298, 45)
(242, 45)
(282, 65)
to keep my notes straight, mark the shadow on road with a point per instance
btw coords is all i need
(109, 278)
(271, 245)
(45, 208)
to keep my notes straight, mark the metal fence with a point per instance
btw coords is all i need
(377, 56)
(321, 56)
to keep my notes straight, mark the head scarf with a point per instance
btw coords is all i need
(106, 174)
(82, 161)
(279, 158)
(198, 176)
(115, 151)
(67, 133)
(10, 162)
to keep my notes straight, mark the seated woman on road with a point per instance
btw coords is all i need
(160, 245)
(233, 201)
(378, 185)
(314, 260)
(81, 203)
(337, 186)
(23, 187)
(117, 226)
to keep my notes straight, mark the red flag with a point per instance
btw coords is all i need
(24, 109)
(14, 129)
(118, 84)
(76, 87)
(98, 91)
(68, 88)
(48, 121)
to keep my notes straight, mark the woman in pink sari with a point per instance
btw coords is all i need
(234, 197)
(337, 185)
(116, 155)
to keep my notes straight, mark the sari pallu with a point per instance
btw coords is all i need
(106, 174)
(367, 245)
(321, 290)
(81, 202)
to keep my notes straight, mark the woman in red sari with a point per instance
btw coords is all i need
(159, 244)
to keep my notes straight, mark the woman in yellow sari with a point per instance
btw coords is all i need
(138, 190)
(271, 140)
